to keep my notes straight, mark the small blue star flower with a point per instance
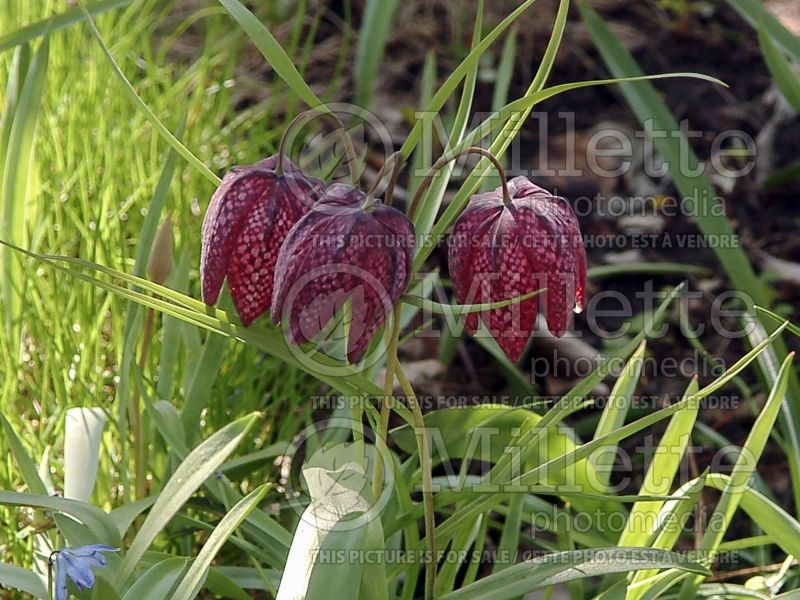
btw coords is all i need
(77, 563)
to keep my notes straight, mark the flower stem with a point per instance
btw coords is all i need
(396, 160)
(309, 115)
(427, 481)
(446, 158)
(386, 405)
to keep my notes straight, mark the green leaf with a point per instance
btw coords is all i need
(30, 474)
(14, 190)
(95, 519)
(272, 52)
(785, 77)
(59, 21)
(561, 567)
(376, 26)
(614, 413)
(661, 472)
(23, 580)
(429, 207)
(192, 582)
(201, 464)
(755, 13)
(746, 462)
(157, 582)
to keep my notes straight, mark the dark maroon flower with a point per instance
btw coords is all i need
(499, 252)
(247, 220)
(348, 247)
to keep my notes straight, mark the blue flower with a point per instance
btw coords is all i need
(77, 563)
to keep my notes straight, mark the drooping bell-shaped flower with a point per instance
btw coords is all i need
(247, 220)
(348, 247)
(500, 251)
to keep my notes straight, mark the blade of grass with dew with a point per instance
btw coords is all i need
(755, 13)
(192, 581)
(373, 36)
(18, 168)
(198, 466)
(148, 113)
(69, 17)
(194, 312)
(614, 413)
(272, 52)
(780, 68)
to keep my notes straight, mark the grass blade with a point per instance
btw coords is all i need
(613, 415)
(755, 13)
(372, 38)
(63, 20)
(780, 68)
(160, 128)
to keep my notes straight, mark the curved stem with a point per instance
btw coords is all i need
(309, 115)
(388, 400)
(427, 481)
(443, 160)
(396, 160)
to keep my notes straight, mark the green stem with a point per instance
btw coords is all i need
(302, 119)
(388, 398)
(446, 158)
(137, 427)
(396, 160)
(427, 481)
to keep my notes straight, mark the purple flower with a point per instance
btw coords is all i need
(501, 251)
(247, 220)
(346, 248)
(77, 563)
